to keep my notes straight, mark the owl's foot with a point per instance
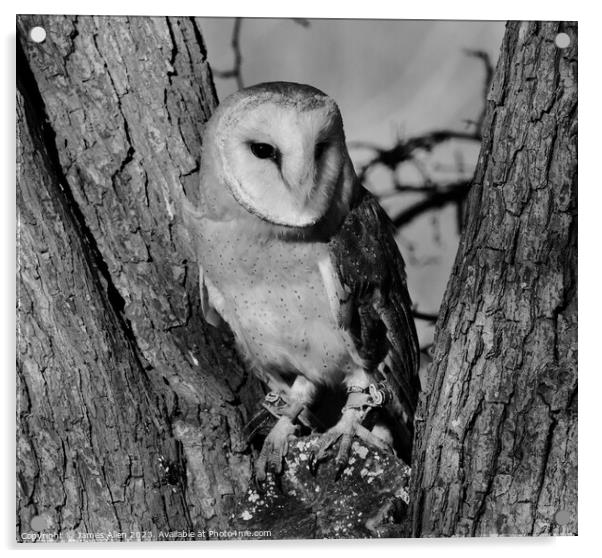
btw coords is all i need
(344, 432)
(275, 448)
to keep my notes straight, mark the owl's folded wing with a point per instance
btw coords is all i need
(369, 282)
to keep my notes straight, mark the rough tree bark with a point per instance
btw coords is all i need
(130, 408)
(496, 442)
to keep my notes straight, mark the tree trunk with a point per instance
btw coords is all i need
(496, 441)
(130, 411)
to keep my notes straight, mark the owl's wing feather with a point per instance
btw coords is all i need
(208, 306)
(375, 307)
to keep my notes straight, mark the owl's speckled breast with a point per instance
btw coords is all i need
(276, 304)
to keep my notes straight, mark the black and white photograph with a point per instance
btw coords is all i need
(295, 278)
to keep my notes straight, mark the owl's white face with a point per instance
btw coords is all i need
(282, 156)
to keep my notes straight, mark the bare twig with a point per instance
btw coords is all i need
(236, 71)
(436, 199)
(484, 57)
(425, 316)
(404, 150)
(406, 189)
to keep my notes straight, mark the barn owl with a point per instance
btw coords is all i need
(300, 261)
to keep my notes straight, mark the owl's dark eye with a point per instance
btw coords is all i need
(320, 148)
(263, 150)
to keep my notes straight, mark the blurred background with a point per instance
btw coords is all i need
(411, 94)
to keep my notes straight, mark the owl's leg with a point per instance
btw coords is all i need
(275, 446)
(362, 397)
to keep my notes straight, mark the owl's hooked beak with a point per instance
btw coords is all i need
(299, 174)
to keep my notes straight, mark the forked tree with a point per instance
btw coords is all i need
(130, 409)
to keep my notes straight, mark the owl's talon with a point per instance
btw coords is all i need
(322, 454)
(328, 440)
(274, 450)
(345, 448)
(340, 469)
(343, 432)
(342, 458)
(259, 484)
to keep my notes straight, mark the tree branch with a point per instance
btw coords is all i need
(425, 316)
(484, 57)
(236, 71)
(404, 150)
(455, 192)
